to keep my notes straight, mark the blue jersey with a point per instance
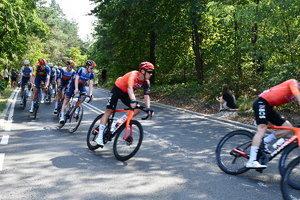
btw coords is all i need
(83, 75)
(65, 75)
(26, 71)
(53, 72)
(38, 71)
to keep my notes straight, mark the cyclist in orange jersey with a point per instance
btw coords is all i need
(283, 93)
(124, 90)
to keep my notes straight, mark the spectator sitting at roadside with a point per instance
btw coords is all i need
(227, 100)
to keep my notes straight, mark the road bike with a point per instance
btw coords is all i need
(74, 112)
(233, 150)
(290, 181)
(128, 133)
(36, 105)
(24, 97)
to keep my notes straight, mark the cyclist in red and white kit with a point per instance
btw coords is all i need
(283, 93)
(124, 90)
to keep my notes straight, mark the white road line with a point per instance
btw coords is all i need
(1, 161)
(4, 139)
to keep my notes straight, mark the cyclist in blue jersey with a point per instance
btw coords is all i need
(41, 74)
(26, 72)
(77, 84)
(63, 81)
(52, 77)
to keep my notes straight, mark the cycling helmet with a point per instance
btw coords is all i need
(90, 63)
(146, 66)
(70, 62)
(50, 64)
(26, 62)
(42, 61)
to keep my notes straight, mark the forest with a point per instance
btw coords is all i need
(196, 45)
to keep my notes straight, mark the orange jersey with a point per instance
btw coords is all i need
(131, 78)
(282, 93)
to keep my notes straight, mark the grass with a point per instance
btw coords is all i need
(4, 98)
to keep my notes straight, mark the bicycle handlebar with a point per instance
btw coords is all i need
(149, 112)
(84, 95)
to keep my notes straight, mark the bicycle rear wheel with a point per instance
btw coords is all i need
(231, 150)
(291, 174)
(75, 119)
(125, 149)
(92, 134)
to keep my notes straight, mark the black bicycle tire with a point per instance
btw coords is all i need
(90, 146)
(222, 166)
(284, 184)
(118, 134)
(79, 119)
(282, 161)
(35, 109)
(49, 96)
(24, 99)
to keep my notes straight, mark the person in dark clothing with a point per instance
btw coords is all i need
(103, 76)
(227, 100)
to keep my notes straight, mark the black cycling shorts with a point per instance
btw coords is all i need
(264, 113)
(116, 95)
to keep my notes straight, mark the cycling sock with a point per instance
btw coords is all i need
(269, 138)
(56, 104)
(253, 153)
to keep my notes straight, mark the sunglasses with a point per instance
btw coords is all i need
(149, 72)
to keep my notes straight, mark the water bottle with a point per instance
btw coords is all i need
(279, 142)
(113, 125)
(121, 120)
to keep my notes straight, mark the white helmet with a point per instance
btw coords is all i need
(55, 67)
(26, 62)
(50, 64)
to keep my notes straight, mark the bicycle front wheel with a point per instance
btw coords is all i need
(35, 109)
(75, 119)
(92, 134)
(233, 150)
(24, 100)
(291, 174)
(290, 153)
(125, 149)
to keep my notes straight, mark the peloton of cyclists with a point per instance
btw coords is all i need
(124, 89)
(63, 81)
(283, 93)
(77, 84)
(52, 81)
(40, 75)
(26, 72)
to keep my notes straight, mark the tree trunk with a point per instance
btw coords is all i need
(199, 62)
(152, 53)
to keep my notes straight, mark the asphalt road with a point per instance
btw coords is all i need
(176, 160)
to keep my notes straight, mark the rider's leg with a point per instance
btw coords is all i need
(63, 110)
(34, 96)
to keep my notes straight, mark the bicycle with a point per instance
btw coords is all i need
(74, 112)
(36, 105)
(125, 144)
(25, 96)
(233, 150)
(290, 181)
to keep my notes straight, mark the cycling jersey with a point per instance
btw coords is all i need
(65, 75)
(26, 71)
(282, 93)
(83, 76)
(131, 78)
(38, 71)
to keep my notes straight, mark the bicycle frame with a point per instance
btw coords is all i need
(281, 147)
(130, 113)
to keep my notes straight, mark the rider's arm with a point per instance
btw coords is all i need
(91, 83)
(76, 81)
(131, 93)
(147, 101)
(294, 87)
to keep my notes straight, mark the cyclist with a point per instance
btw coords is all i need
(26, 72)
(263, 109)
(124, 90)
(63, 80)
(77, 84)
(41, 74)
